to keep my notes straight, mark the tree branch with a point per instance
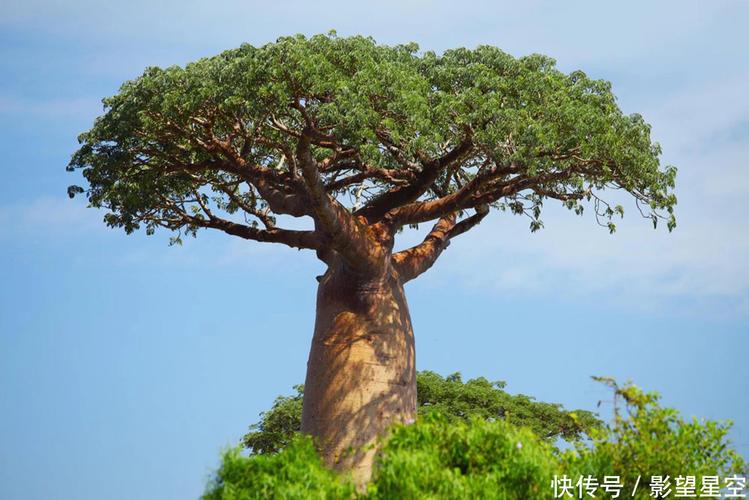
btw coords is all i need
(416, 260)
(293, 238)
(482, 190)
(365, 172)
(272, 186)
(379, 206)
(466, 197)
(346, 235)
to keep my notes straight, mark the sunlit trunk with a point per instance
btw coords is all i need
(361, 375)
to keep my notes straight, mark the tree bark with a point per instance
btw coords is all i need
(361, 375)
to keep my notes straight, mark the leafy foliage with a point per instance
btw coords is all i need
(482, 399)
(450, 396)
(384, 126)
(277, 426)
(444, 458)
(441, 456)
(646, 439)
(296, 473)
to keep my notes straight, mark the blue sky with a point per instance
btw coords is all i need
(127, 365)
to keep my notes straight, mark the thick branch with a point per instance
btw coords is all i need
(346, 235)
(280, 201)
(271, 185)
(289, 237)
(480, 191)
(293, 238)
(379, 206)
(418, 259)
(232, 192)
(365, 172)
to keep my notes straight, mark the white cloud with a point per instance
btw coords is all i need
(703, 259)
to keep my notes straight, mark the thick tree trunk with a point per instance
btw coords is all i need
(361, 376)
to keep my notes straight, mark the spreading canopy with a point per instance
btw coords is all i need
(364, 139)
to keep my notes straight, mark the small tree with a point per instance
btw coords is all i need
(364, 140)
(451, 397)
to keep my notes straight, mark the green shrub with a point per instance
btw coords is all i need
(437, 457)
(441, 456)
(645, 439)
(295, 473)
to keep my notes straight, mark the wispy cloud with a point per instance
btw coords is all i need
(702, 118)
(48, 215)
(571, 258)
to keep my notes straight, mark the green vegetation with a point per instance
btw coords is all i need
(463, 453)
(179, 147)
(444, 458)
(449, 396)
(646, 439)
(296, 472)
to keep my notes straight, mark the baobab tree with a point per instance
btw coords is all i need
(365, 140)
